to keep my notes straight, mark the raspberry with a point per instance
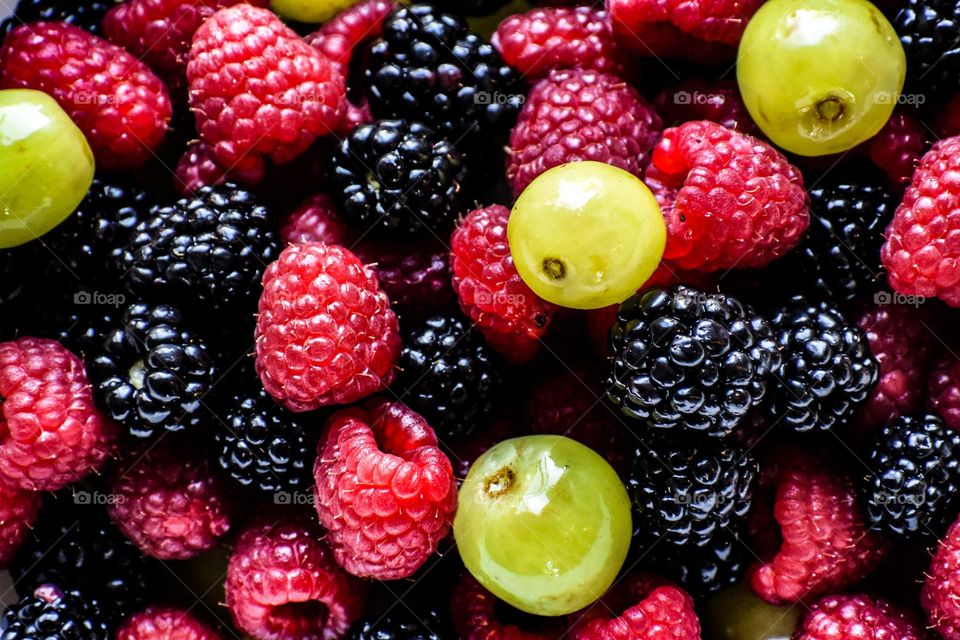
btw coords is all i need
(944, 389)
(580, 115)
(18, 512)
(922, 252)
(385, 492)
(346, 32)
(165, 623)
(718, 102)
(282, 584)
(710, 226)
(510, 316)
(317, 219)
(708, 20)
(325, 332)
(50, 432)
(941, 590)
(857, 616)
(258, 90)
(898, 147)
(169, 504)
(159, 31)
(414, 275)
(478, 615)
(640, 606)
(120, 105)
(197, 168)
(825, 544)
(902, 342)
(541, 40)
(663, 40)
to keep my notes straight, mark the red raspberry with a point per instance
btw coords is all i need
(541, 40)
(51, 434)
(258, 90)
(282, 584)
(580, 115)
(325, 331)
(857, 617)
(169, 503)
(824, 543)
(415, 276)
(736, 201)
(898, 147)
(18, 511)
(159, 31)
(197, 168)
(478, 615)
(720, 21)
(385, 492)
(922, 251)
(901, 341)
(719, 102)
(343, 34)
(663, 40)
(120, 105)
(508, 313)
(941, 590)
(165, 623)
(639, 607)
(944, 389)
(318, 219)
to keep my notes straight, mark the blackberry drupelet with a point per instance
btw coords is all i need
(912, 487)
(470, 7)
(50, 613)
(399, 624)
(688, 360)
(685, 492)
(399, 178)
(930, 33)
(264, 446)
(211, 248)
(706, 570)
(448, 374)
(428, 66)
(82, 13)
(826, 371)
(839, 257)
(151, 372)
(77, 547)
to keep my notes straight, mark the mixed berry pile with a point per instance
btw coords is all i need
(480, 320)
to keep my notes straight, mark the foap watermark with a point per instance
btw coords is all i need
(499, 298)
(915, 497)
(698, 97)
(93, 98)
(700, 499)
(98, 298)
(291, 498)
(96, 498)
(901, 99)
(496, 97)
(886, 298)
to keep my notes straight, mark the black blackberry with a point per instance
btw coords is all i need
(839, 257)
(930, 33)
(826, 371)
(400, 624)
(684, 491)
(77, 547)
(399, 178)
(688, 360)
(211, 248)
(151, 372)
(912, 487)
(706, 570)
(447, 373)
(470, 7)
(86, 14)
(429, 67)
(262, 445)
(52, 614)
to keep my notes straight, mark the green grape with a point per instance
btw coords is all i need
(737, 614)
(586, 235)
(543, 522)
(309, 11)
(820, 76)
(46, 166)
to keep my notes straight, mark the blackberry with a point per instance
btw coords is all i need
(930, 33)
(912, 487)
(687, 360)
(826, 371)
(707, 570)
(839, 257)
(399, 178)
(470, 7)
(428, 66)
(50, 613)
(399, 624)
(685, 492)
(447, 373)
(262, 445)
(77, 547)
(210, 248)
(86, 14)
(151, 373)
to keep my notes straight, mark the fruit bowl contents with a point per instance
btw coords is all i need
(480, 320)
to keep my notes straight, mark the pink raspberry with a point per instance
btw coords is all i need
(720, 21)
(165, 623)
(317, 219)
(18, 511)
(343, 34)
(663, 40)
(843, 617)
(940, 596)
(897, 148)
(414, 275)
(944, 389)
